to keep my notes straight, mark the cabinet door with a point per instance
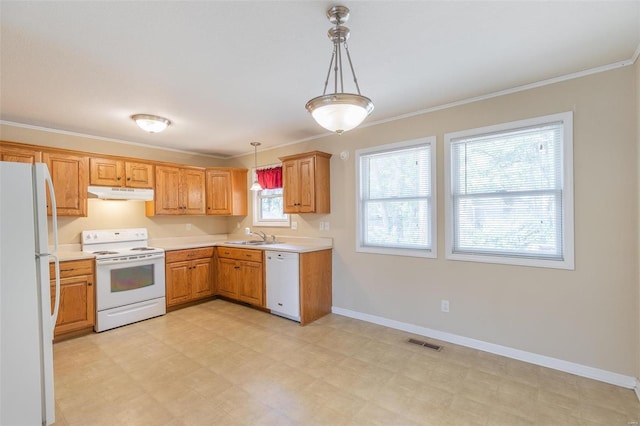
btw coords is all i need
(76, 309)
(138, 175)
(306, 185)
(106, 172)
(193, 191)
(250, 283)
(69, 176)
(219, 192)
(20, 155)
(290, 186)
(201, 279)
(227, 277)
(167, 193)
(177, 280)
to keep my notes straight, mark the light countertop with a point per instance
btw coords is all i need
(68, 252)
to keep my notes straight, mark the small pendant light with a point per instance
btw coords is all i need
(256, 185)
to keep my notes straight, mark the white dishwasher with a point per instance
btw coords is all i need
(283, 284)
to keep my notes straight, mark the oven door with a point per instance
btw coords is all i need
(126, 280)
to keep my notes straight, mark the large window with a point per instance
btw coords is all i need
(510, 193)
(268, 209)
(396, 202)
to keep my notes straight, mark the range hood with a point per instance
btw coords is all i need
(115, 193)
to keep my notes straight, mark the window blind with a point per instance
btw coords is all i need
(507, 192)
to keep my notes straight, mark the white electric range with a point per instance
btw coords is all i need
(130, 277)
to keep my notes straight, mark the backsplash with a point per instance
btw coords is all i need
(107, 214)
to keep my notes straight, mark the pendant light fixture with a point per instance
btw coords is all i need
(339, 111)
(151, 123)
(256, 185)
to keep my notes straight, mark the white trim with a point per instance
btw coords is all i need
(636, 389)
(433, 252)
(567, 189)
(605, 376)
(101, 138)
(516, 89)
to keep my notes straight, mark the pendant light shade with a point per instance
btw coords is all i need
(151, 123)
(339, 111)
(256, 185)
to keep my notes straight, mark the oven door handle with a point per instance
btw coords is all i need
(121, 261)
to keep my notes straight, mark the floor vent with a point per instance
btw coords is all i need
(425, 344)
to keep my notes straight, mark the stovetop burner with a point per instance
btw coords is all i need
(119, 244)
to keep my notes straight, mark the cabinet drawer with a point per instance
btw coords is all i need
(182, 255)
(72, 268)
(240, 254)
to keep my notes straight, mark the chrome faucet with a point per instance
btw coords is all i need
(261, 235)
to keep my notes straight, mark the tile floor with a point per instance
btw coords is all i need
(224, 364)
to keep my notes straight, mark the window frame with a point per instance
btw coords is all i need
(256, 220)
(430, 141)
(567, 200)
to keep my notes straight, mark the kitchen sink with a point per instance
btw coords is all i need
(250, 242)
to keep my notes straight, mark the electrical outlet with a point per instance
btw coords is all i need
(294, 225)
(322, 226)
(326, 226)
(444, 305)
(188, 227)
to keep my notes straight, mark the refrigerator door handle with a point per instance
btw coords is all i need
(54, 213)
(56, 306)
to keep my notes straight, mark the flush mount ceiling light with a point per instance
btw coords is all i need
(151, 123)
(339, 111)
(256, 185)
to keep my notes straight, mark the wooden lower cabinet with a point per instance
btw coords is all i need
(77, 298)
(241, 275)
(189, 275)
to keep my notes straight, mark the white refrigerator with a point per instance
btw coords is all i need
(26, 320)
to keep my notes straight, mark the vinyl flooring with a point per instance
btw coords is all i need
(219, 363)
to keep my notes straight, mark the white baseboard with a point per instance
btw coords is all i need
(617, 379)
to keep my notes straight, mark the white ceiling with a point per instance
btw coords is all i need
(230, 72)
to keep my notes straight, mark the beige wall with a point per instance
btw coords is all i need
(588, 316)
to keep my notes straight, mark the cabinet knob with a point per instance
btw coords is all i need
(119, 177)
(236, 267)
(128, 178)
(89, 284)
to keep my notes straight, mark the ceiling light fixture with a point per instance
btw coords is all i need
(339, 111)
(151, 123)
(256, 185)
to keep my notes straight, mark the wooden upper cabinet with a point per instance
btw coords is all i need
(227, 191)
(120, 173)
(19, 155)
(69, 174)
(179, 190)
(306, 182)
